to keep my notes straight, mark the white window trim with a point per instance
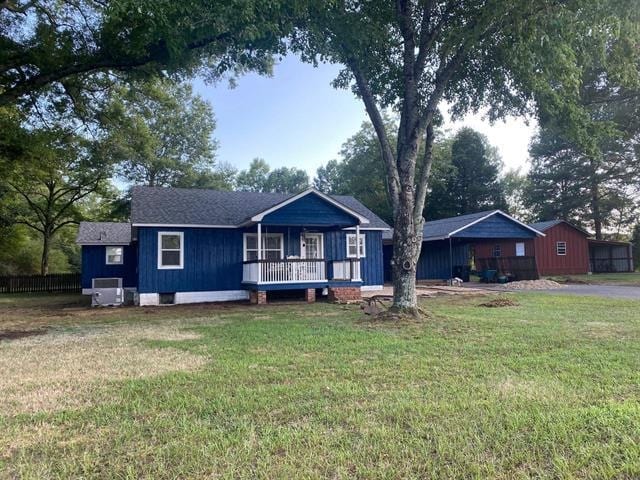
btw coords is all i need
(524, 249)
(262, 235)
(364, 245)
(170, 267)
(558, 251)
(106, 255)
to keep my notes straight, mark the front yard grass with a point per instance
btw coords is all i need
(549, 388)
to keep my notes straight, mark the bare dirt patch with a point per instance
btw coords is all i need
(499, 302)
(61, 370)
(16, 334)
(529, 389)
(606, 330)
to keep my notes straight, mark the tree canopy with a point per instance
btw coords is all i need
(469, 182)
(260, 178)
(159, 134)
(508, 57)
(48, 185)
(65, 48)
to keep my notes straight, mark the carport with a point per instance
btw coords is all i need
(479, 241)
(608, 256)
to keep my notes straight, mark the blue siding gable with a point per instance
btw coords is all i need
(94, 265)
(496, 226)
(310, 210)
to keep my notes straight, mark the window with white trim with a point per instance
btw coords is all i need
(497, 250)
(351, 246)
(520, 250)
(114, 255)
(170, 250)
(561, 248)
(272, 246)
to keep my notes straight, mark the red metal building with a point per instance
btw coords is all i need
(564, 250)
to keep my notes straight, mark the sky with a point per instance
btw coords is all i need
(297, 119)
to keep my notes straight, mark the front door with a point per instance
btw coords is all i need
(311, 246)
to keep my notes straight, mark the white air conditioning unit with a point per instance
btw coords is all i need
(107, 292)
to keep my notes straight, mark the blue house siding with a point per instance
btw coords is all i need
(496, 226)
(212, 261)
(213, 258)
(94, 265)
(434, 262)
(310, 210)
(371, 267)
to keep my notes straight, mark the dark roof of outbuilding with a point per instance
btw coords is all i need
(440, 229)
(104, 233)
(190, 206)
(543, 226)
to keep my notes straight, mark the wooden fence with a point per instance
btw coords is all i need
(522, 268)
(55, 282)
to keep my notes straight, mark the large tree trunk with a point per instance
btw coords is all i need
(407, 233)
(407, 240)
(46, 248)
(596, 210)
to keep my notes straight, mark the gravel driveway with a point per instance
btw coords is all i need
(609, 291)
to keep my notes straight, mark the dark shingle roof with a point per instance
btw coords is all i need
(542, 226)
(442, 228)
(439, 229)
(190, 206)
(104, 233)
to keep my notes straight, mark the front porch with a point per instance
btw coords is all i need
(300, 271)
(309, 242)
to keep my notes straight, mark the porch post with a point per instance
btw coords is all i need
(259, 252)
(357, 251)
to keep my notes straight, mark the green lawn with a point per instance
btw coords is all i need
(632, 279)
(549, 388)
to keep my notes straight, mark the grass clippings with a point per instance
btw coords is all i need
(499, 302)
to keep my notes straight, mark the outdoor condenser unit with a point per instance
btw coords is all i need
(107, 292)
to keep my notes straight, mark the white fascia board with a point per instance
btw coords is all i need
(181, 225)
(106, 244)
(368, 229)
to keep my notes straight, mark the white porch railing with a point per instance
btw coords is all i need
(346, 270)
(284, 271)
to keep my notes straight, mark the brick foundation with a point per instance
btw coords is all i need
(310, 295)
(344, 294)
(258, 297)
